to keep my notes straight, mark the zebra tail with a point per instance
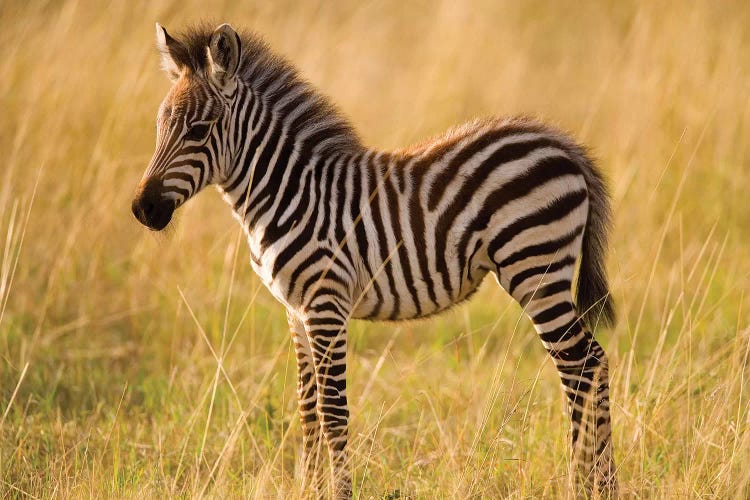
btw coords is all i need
(593, 299)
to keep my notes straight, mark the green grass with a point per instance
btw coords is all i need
(134, 364)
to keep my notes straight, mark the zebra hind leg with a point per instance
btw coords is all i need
(583, 369)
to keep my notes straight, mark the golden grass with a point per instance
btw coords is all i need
(134, 364)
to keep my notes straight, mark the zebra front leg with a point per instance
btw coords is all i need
(307, 400)
(325, 324)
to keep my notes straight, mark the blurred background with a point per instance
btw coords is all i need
(134, 363)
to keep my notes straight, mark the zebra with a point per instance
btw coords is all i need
(340, 231)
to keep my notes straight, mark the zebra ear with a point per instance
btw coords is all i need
(172, 52)
(223, 52)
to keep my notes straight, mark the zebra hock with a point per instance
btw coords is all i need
(338, 231)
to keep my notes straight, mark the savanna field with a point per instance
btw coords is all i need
(136, 364)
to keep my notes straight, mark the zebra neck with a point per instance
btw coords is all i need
(285, 146)
(275, 125)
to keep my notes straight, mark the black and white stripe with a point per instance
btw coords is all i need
(339, 231)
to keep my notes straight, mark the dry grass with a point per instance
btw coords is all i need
(134, 364)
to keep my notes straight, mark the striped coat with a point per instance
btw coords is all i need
(340, 231)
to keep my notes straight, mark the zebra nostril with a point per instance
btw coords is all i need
(147, 207)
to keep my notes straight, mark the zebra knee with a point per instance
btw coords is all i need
(585, 380)
(583, 354)
(334, 421)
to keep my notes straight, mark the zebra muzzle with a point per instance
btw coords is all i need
(150, 207)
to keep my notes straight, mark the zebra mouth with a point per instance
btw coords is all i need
(150, 209)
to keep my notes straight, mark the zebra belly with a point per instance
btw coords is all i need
(377, 301)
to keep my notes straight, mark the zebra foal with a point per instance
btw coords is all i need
(338, 231)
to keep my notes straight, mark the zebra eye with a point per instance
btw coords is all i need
(197, 132)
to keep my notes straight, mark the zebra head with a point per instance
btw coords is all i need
(192, 123)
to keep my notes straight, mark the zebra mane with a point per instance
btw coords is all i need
(262, 69)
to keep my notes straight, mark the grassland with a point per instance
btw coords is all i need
(142, 365)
